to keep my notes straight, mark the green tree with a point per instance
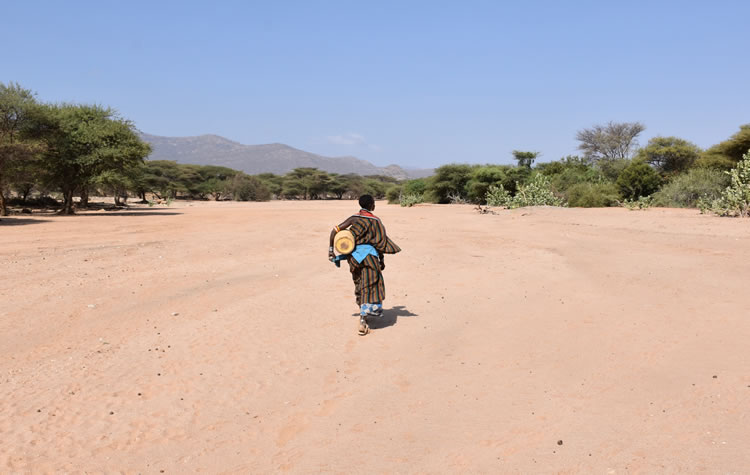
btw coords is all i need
(23, 176)
(725, 155)
(525, 159)
(338, 185)
(310, 183)
(449, 180)
(417, 186)
(117, 183)
(482, 178)
(638, 179)
(669, 155)
(214, 180)
(84, 141)
(375, 187)
(248, 188)
(355, 185)
(16, 106)
(158, 177)
(273, 182)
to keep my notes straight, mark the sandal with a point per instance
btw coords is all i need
(364, 329)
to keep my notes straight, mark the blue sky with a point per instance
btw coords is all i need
(414, 83)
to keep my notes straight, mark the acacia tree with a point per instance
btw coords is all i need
(669, 155)
(725, 155)
(311, 183)
(16, 104)
(525, 159)
(613, 141)
(83, 142)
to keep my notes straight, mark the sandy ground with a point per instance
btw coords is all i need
(216, 337)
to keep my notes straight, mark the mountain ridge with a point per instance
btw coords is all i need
(277, 158)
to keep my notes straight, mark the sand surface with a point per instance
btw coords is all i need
(216, 337)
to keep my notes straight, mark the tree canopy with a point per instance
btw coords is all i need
(16, 108)
(669, 155)
(611, 141)
(83, 142)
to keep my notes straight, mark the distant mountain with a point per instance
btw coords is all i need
(269, 158)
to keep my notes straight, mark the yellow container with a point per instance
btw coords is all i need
(343, 242)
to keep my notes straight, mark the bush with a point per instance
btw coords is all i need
(593, 195)
(411, 200)
(537, 192)
(449, 179)
(686, 189)
(393, 195)
(638, 179)
(735, 199)
(248, 188)
(416, 187)
(612, 169)
(644, 202)
(482, 177)
(497, 195)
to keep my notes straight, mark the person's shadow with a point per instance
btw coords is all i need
(390, 317)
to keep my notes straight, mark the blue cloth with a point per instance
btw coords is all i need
(371, 310)
(362, 251)
(359, 254)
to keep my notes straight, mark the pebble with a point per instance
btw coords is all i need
(559, 442)
(174, 314)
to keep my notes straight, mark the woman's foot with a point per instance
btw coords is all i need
(363, 327)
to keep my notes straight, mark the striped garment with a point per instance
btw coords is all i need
(369, 287)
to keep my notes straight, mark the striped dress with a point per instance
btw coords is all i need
(369, 286)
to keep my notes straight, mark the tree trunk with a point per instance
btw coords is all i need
(117, 199)
(67, 207)
(26, 192)
(3, 208)
(84, 197)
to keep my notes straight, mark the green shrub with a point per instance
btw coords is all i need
(447, 180)
(417, 186)
(686, 189)
(248, 188)
(643, 202)
(612, 169)
(735, 199)
(593, 195)
(537, 192)
(497, 195)
(409, 200)
(638, 179)
(481, 180)
(393, 195)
